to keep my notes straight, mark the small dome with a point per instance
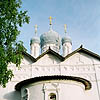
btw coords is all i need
(66, 39)
(50, 37)
(35, 40)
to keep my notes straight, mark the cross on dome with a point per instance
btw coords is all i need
(35, 29)
(50, 20)
(65, 28)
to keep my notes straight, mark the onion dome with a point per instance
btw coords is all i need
(50, 37)
(66, 38)
(35, 39)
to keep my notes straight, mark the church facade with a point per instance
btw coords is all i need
(74, 75)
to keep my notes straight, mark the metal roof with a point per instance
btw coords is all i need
(50, 51)
(50, 37)
(85, 82)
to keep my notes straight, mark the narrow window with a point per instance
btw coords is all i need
(52, 96)
(25, 95)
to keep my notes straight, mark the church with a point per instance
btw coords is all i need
(46, 74)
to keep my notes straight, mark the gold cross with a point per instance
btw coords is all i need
(35, 28)
(65, 28)
(50, 20)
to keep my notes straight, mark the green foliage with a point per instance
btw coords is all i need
(10, 49)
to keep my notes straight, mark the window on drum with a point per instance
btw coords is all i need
(25, 94)
(52, 96)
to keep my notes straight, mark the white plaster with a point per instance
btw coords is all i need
(63, 89)
(48, 59)
(67, 48)
(35, 49)
(78, 65)
(80, 59)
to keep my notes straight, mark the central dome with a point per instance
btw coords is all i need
(50, 37)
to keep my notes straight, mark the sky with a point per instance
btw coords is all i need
(81, 16)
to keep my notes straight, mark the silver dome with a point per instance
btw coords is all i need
(35, 40)
(66, 39)
(50, 37)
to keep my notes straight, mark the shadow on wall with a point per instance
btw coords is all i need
(15, 95)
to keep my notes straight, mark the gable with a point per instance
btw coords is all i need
(81, 58)
(26, 60)
(24, 71)
(48, 59)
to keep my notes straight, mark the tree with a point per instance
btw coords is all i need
(11, 17)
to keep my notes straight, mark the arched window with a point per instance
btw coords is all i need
(52, 96)
(25, 94)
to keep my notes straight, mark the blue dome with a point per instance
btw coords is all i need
(50, 37)
(35, 40)
(66, 39)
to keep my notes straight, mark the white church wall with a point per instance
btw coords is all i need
(26, 61)
(48, 59)
(22, 73)
(46, 65)
(97, 69)
(72, 92)
(62, 89)
(40, 70)
(92, 94)
(35, 50)
(9, 93)
(35, 92)
(80, 59)
(79, 64)
(85, 66)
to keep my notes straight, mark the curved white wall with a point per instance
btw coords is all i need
(64, 90)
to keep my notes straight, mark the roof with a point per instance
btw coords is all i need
(66, 39)
(81, 49)
(50, 51)
(28, 55)
(35, 40)
(85, 82)
(50, 37)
